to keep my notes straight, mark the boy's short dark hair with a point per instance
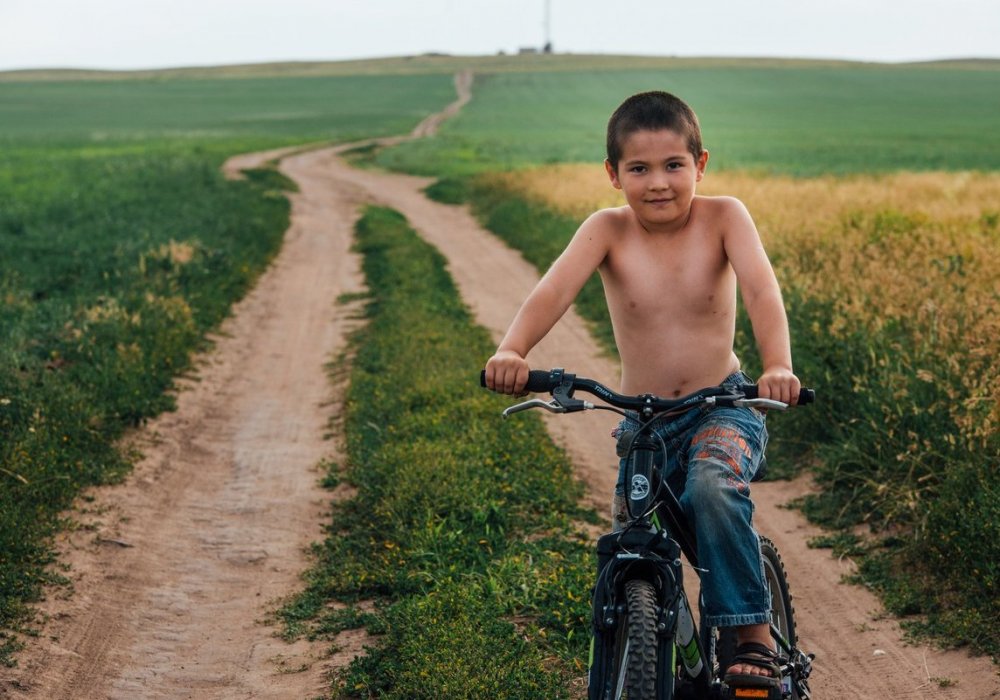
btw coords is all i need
(652, 111)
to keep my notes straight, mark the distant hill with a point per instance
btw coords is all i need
(980, 63)
(441, 63)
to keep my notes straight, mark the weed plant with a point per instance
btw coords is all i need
(461, 529)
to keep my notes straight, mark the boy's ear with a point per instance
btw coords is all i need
(612, 174)
(702, 162)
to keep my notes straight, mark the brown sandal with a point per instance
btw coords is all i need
(755, 654)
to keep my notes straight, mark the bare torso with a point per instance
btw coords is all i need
(672, 299)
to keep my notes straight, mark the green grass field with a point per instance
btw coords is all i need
(798, 119)
(270, 110)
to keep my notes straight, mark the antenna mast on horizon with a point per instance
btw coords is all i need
(548, 26)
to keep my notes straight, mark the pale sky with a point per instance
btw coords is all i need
(126, 34)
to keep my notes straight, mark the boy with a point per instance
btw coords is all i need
(670, 261)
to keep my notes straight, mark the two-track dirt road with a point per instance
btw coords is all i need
(174, 570)
(176, 567)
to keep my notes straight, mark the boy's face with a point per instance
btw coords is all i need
(657, 175)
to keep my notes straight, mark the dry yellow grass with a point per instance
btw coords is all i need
(918, 247)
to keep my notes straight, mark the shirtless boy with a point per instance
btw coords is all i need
(670, 262)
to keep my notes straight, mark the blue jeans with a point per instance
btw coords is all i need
(712, 455)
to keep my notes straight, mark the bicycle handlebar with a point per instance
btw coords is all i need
(558, 381)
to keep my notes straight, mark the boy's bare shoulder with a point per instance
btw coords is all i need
(611, 220)
(721, 212)
(613, 216)
(720, 205)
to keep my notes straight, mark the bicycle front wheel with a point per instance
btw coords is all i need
(633, 662)
(635, 676)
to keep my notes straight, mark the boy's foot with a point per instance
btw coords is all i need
(754, 664)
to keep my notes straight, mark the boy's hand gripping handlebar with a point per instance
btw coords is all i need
(556, 382)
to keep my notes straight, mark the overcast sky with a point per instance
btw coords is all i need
(167, 33)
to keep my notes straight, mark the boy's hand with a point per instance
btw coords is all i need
(507, 373)
(779, 384)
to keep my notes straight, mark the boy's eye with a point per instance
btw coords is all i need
(674, 166)
(637, 169)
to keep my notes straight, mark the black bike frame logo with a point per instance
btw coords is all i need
(640, 487)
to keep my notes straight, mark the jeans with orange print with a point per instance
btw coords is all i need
(712, 455)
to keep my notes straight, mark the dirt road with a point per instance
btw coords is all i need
(184, 559)
(174, 570)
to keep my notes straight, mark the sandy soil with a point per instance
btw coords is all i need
(174, 569)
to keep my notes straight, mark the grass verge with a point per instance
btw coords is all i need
(462, 526)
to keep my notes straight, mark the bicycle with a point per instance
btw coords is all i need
(645, 644)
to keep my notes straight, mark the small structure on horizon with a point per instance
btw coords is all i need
(547, 46)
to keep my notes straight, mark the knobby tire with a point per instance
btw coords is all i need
(636, 653)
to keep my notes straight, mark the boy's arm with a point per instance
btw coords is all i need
(507, 370)
(762, 298)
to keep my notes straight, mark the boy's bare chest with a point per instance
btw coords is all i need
(685, 276)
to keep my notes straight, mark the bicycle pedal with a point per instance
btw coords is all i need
(755, 693)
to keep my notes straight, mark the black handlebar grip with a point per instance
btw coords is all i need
(805, 395)
(539, 381)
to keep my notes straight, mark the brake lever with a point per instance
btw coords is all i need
(739, 401)
(769, 404)
(553, 406)
(550, 406)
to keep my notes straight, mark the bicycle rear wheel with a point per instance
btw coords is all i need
(782, 610)
(782, 614)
